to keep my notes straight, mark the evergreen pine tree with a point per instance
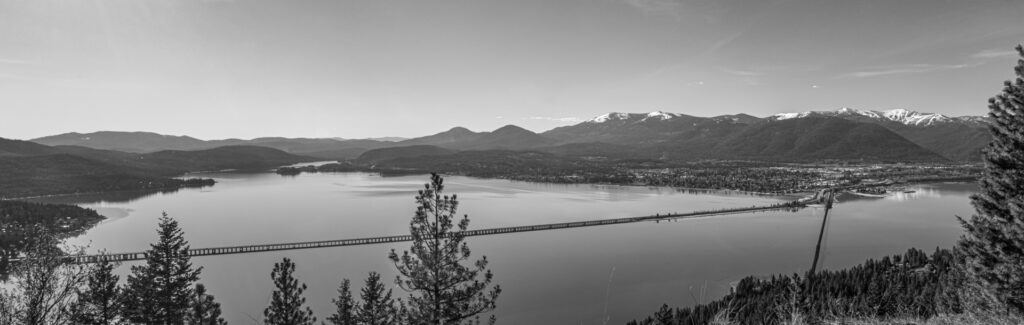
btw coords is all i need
(286, 304)
(205, 310)
(377, 308)
(161, 291)
(443, 290)
(664, 316)
(345, 306)
(100, 302)
(993, 243)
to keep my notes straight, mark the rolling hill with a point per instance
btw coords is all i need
(509, 137)
(135, 142)
(148, 142)
(30, 169)
(385, 154)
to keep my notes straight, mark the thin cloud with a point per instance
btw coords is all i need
(12, 61)
(664, 7)
(993, 53)
(556, 119)
(722, 43)
(905, 69)
(742, 73)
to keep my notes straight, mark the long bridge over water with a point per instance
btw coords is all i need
(135, 256)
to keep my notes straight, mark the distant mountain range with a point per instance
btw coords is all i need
(956, 138)
(146, 142)
(31, 169)
(844, 134)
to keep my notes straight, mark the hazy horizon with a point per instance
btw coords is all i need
(382, 138)
(219, 69)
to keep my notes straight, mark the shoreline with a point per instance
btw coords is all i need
(160, 189)
(798, 194)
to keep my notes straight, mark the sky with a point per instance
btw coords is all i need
(217, 69)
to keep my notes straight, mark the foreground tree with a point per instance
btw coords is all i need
(286, 304)
(99, 303)
(43, 285)
(443, 290)
(7, 308)
(993, 244)
(345, 306)
(161, 291)
(377, 308)
(205, 310)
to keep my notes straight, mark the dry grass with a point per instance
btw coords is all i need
(964, 319)
(722, 318)
(982, 308)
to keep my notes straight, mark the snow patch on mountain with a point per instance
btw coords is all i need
(615, 116)
(903, 116)
(659, 115)
(786, 116)
(610, 117)
(914, 118)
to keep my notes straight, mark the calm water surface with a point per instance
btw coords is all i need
(596, 275)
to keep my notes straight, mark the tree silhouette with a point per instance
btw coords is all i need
(43, 286)
(345, 306)
(161, 291)
(443, 290)
(286, 304)
(377, 308)
(99, 303)
(205, 311)
(993, 243)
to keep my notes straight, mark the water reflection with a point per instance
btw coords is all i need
(915, 192)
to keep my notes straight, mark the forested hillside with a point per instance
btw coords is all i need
(914, 285)
(30, 169)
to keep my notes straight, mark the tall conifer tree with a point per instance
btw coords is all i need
(993, 244)
(287, 303)
(377, 308)
(345, 306)
(205, 310)
(161, 291)
(99, 303)
(443, 290)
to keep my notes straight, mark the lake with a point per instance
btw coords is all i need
(595, 275)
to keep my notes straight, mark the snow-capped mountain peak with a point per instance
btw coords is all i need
(659, 115)
(786, 116)
(902, 116)
(854, 111)
(614, 116)
(609, 117)
(914, 118)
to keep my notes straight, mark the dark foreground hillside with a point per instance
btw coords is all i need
(912, 285)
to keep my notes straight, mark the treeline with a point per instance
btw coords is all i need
(913, 173)
(23, 223)
(912, 285)
(325, 168)
(751, 179)
(750, 176)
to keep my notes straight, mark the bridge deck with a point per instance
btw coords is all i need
(134, 256)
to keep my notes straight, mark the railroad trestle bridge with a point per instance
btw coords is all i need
(135, 256)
